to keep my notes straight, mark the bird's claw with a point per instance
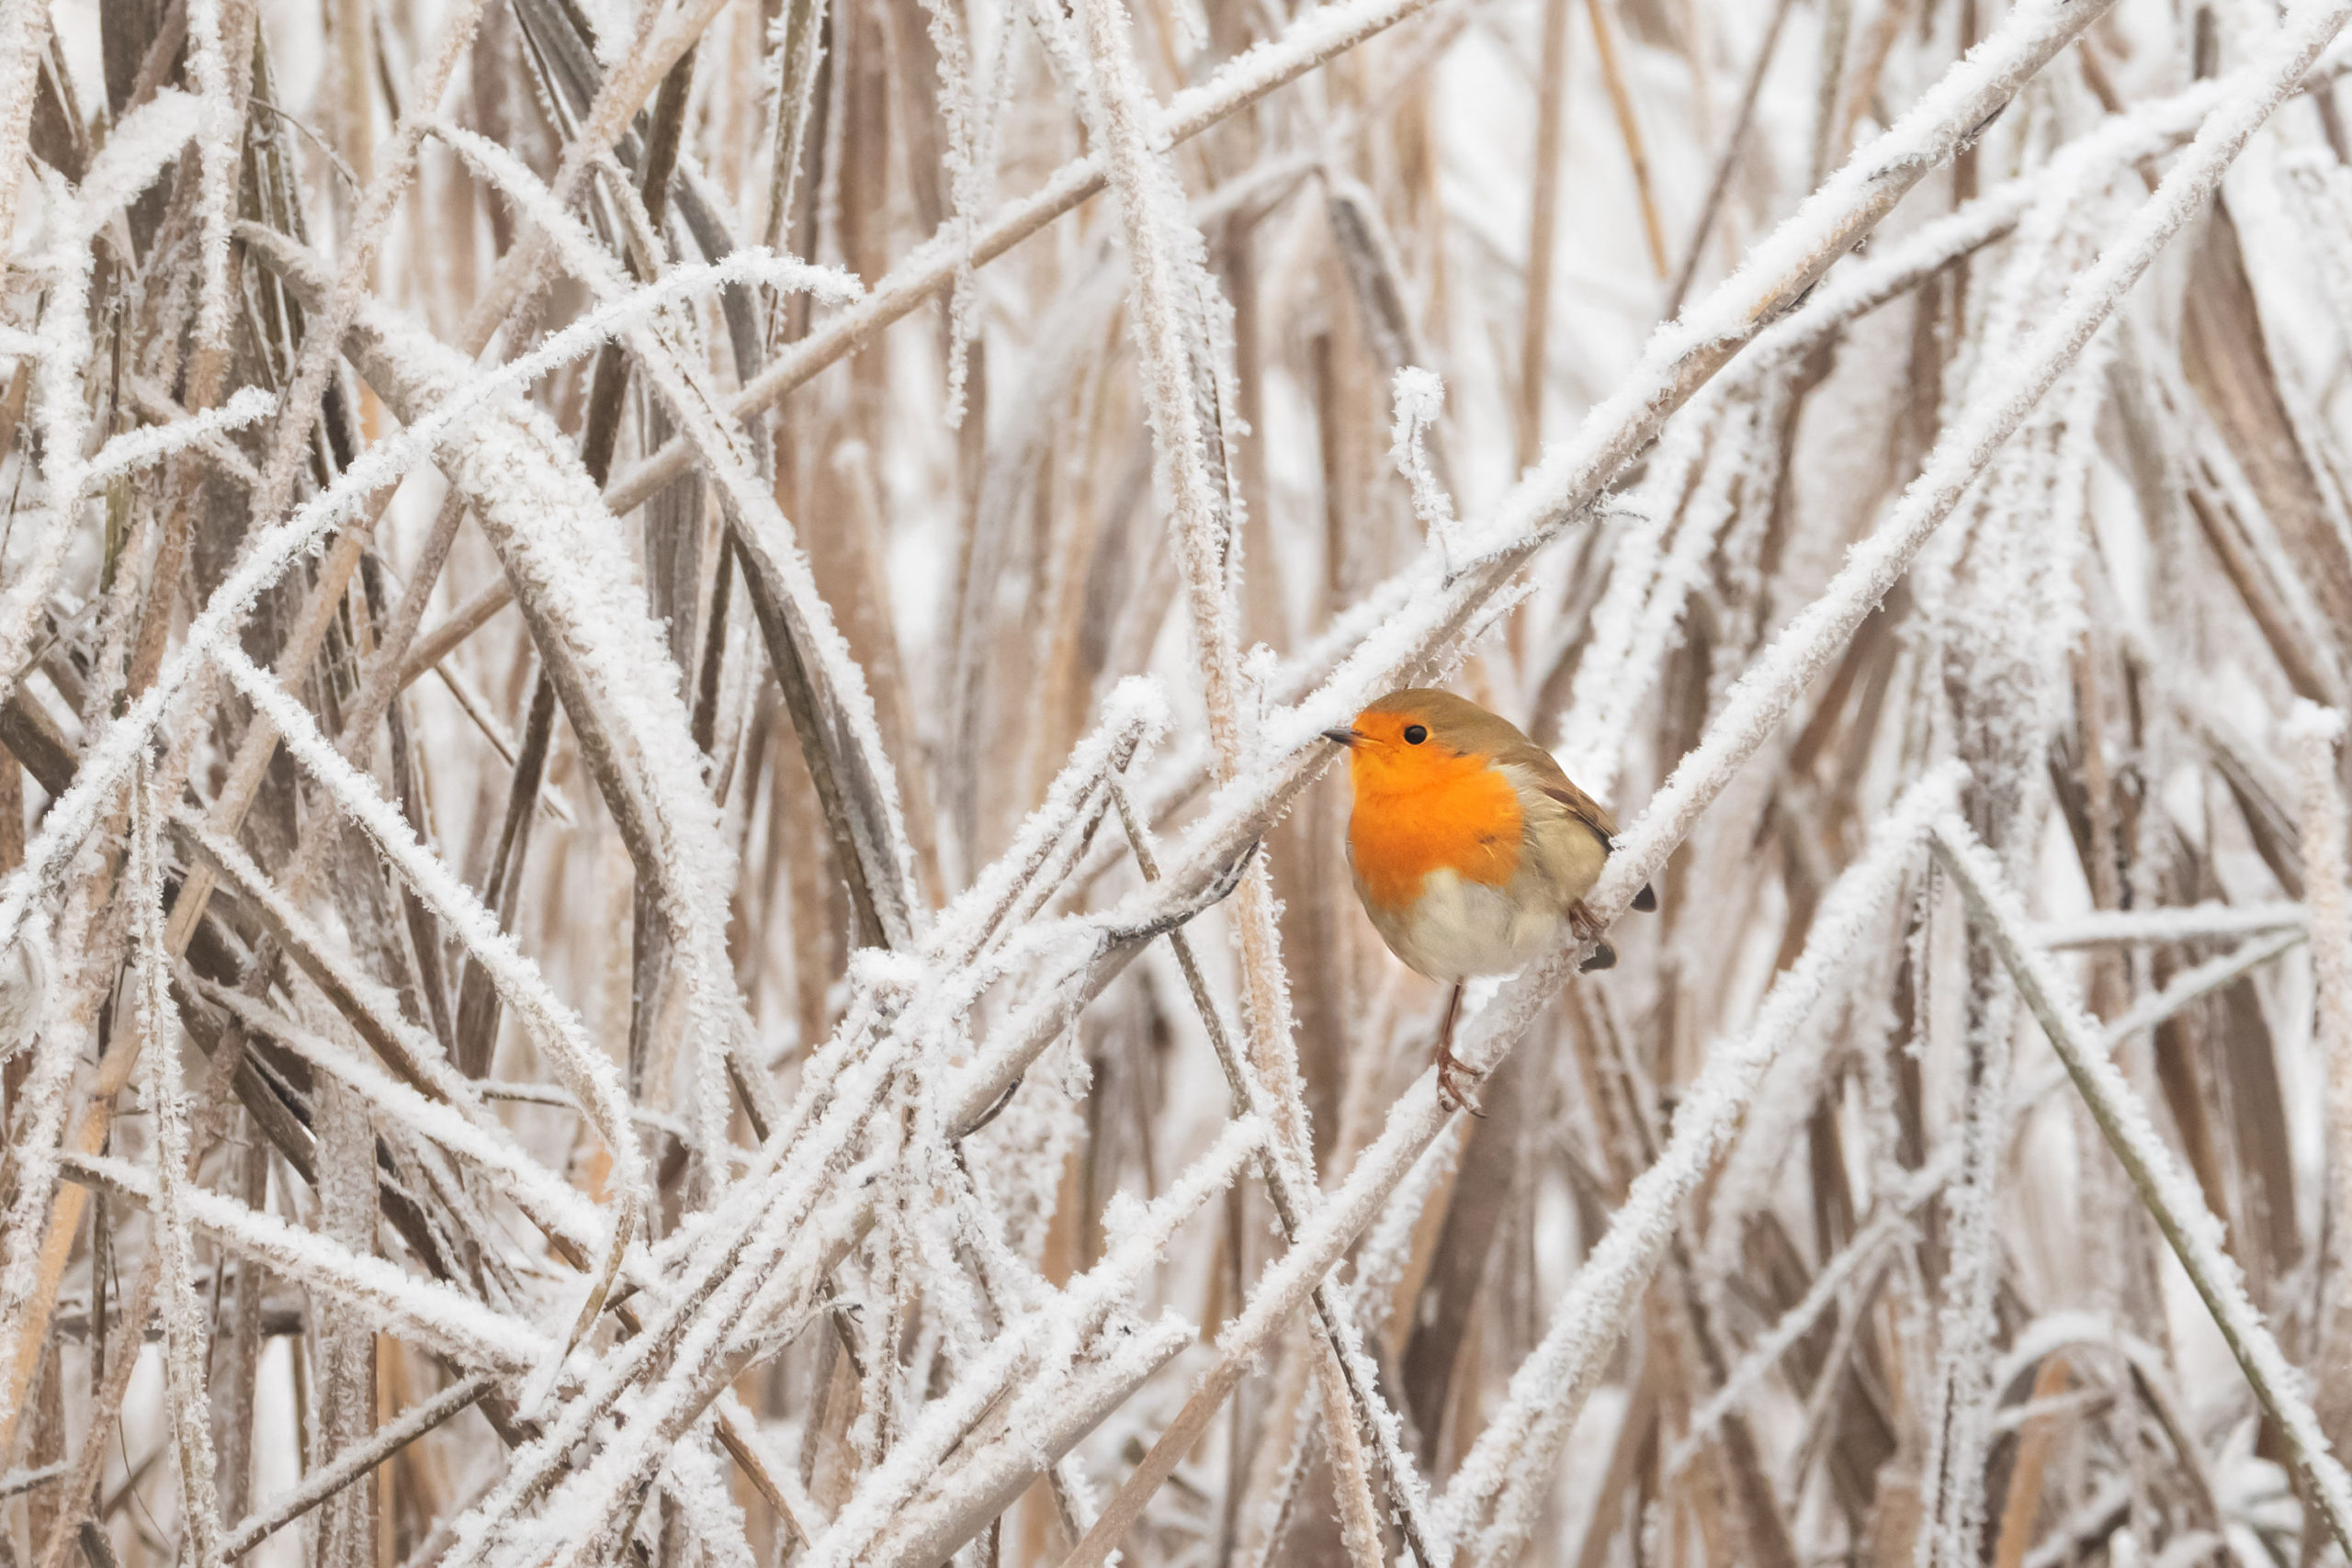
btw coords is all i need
(1584, 928)
(1451, 1094)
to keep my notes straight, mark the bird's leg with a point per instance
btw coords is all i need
(1587, 928)
(1450, 1094)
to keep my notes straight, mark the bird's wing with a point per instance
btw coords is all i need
(1550, 780)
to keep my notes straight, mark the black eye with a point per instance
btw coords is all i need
(1415, 735)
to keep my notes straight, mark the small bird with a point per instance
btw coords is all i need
(1471, 850)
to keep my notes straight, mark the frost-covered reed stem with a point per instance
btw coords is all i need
(355, 1464)
(1037, 1350)
(186, 1334)
(1788, 1328)
(218, 130)
(2315, 733)
(2189, 985)
(437, 1316)
(1496, 1493)
(24, 33)
(374, 214)
(2171, 1195)
(2189, 923)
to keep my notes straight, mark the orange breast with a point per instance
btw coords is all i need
(1422, 813)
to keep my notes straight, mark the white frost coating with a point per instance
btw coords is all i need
(1861, 283)
(1381, 1260)
(1133, 715)
(699, 1478)
(2173, 1197)
(218, 142)
(2204, 979)
(432, 1314)
(2188, 922)
(764, 1250)
(24, 984)
(1511, 1466)
(1930, 133)
(2314, 732)
(187, 1332)
(583, 585)
(104, 766)
(1318, 36)
(153, 442)
(967, 182)
(350, 1464)
(1420, 398)
(1620, 688)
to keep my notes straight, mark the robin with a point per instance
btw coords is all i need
(1471, 850)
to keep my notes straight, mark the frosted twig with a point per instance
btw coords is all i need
(2314, 732)
(24, 34)
(2201, 980)
(1791, 1326)
(2191, 922)
(434, 1314)
(1770, 686)
(142, 144)
(153, 442)
(1038, 1349)
(186, 1335)
(588, 1073)
(1420, 398)
(354, 1463)
(217, 137)
(1287, 1184)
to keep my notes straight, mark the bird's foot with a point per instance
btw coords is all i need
(1453, 1094)
(1584, 928)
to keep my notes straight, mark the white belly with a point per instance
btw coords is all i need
(1460, 928)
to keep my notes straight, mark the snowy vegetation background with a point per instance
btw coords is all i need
(667, 894)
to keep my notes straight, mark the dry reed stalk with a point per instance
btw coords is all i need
(1628, 127)
(1542, 227)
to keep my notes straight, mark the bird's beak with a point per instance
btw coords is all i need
(1345, 736)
